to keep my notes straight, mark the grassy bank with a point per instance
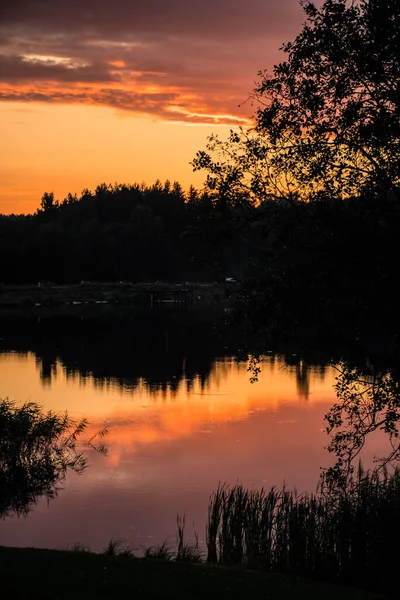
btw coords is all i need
(45, 574)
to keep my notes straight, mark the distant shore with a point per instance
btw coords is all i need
(46, 299)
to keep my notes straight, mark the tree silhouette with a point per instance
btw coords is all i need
(328, 117)
(48, 203)
(118, 232)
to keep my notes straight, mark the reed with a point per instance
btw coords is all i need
(160, 551)
(186, 551)
(348, 535)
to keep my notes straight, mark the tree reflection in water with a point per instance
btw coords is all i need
(37, 450)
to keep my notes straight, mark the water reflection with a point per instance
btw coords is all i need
(126, 353)
(129, 354)
(181, 416)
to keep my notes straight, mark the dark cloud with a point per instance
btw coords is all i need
(169, 107)
(202, 56)
(118, 18)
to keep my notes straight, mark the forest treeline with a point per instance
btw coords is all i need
(118, 232)
(331, 262)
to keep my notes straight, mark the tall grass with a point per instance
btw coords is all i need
(186, 551)
(161, 551)
(349, 535)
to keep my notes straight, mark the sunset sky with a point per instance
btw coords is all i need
(126, 91)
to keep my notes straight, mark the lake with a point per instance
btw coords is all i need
(182, 416)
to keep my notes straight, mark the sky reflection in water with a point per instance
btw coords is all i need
(169, 447)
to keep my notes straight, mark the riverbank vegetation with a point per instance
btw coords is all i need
(339, 535)
(342, 536)
(37, 450)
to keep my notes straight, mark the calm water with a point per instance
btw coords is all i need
(178, 424)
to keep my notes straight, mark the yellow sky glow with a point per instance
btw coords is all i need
(66, 148)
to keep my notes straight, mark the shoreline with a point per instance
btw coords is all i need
(126, 298)
(68, 574)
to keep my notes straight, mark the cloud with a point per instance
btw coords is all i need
(177, 59)
(18, 69)
(124, 18)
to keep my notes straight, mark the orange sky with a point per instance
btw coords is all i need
(93, 91)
